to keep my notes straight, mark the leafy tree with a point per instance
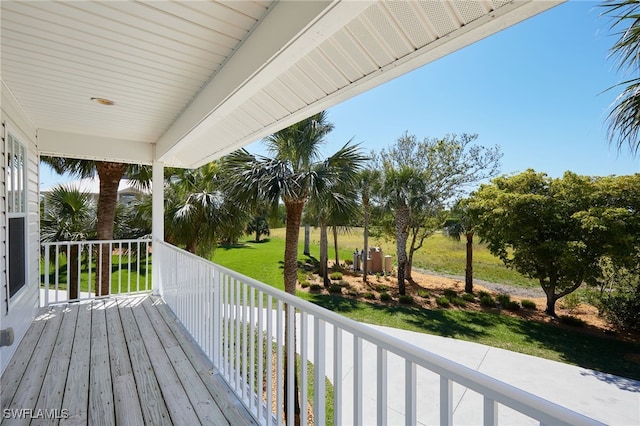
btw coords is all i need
(68, 215)
(293, 174)
(624, 124)
(460, 222)
(110, 175)
(419, 178)
(556, 230)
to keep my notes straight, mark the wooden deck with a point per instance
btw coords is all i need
(124, 362)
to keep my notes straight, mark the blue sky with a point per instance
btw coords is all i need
(537, 89)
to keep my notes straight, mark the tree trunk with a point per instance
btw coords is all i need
(307, 231)
(335, 244)
(72, 269)
(468, 272)
(192, 246)
(324, 253)
(257, 235)
(402, 234)
(294, 217)
(292, 232)
(552, 298)
(110, 175)
(365, 202)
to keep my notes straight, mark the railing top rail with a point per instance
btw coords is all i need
(65, 243)
(545, 411)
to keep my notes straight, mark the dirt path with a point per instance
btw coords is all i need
(498, 287)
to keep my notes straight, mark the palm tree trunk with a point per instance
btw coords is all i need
(72, 269)
(468, 272)
(335, 245)
(324, 255)
(110, 175)
(307, 231)
(402, 234)
(365, 203)
(294, 217)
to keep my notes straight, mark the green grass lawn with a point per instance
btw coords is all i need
(263, 262)
(124, 274)
(439, 254)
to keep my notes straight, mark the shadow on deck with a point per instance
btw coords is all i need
(114, 361)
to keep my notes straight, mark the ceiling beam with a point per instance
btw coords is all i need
(91, 147)
(289, 31)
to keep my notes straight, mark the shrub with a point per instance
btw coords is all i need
(623, 309)
(513, 306)
(528, 304)
(385, 297)
(450, 294)
(348, 262)
(503, 299)
(424, 294)
(571, 301)
(305, 284)
(572, 321)
(377, 276)
(487, 301)
(458, 301)
(405, 299)
(353, 293)
(343, 283)
(337, 268)
(370, 296)
(335, 288)
(482, 294)
(469, 297)
(381, 288)
(315, 287)
(443, 302)
(335, 276)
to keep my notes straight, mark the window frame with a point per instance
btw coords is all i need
(16, 206)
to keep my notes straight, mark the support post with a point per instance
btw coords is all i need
(157, 218)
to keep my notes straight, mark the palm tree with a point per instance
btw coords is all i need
(461, 223)
(68, 215)
(293, 175)
(368, 182)
(109, 174)
(198, 212)
(624, 117)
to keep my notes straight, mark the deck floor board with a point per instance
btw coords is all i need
(114, 361)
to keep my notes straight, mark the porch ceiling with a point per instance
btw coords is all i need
(192, 81)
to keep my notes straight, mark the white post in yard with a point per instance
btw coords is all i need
(157, 219)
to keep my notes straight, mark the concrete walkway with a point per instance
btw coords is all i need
(607, 398)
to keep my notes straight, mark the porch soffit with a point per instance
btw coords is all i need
(192, 81)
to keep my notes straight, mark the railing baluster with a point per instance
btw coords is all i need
(279, 367)
(410, 393)
(238, 343)
(269, 356)
(382, 386)
(304, 380)
(89, 283)
(446, 401)
(120, 268)
(337, 375)
(252, 349)
(357, 380)
(261, 354)
(291, 361)
(245, 337)
(319, 385)
(46, 276)
(57, 276)
(138, 266)
(490, 412)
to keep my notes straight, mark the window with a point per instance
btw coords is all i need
(16, 214)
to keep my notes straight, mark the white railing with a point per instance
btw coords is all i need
(71, 270)
(240, 324)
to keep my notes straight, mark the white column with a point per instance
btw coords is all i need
(157, 219)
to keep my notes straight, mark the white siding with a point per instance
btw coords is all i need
(24, 305)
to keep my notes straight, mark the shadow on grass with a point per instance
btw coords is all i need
(604, 355)
(227, 247)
